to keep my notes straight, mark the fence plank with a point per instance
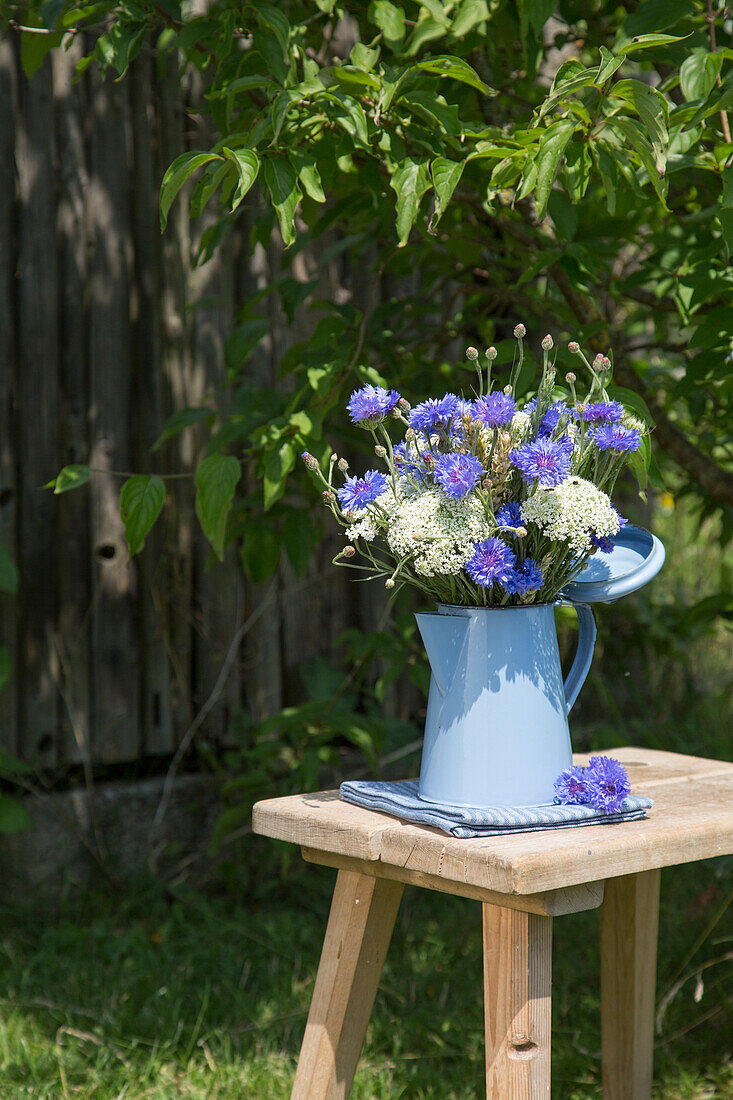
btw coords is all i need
(8, 382)
(115, 678)
(74, 564)
(37, 402)
(156, 720)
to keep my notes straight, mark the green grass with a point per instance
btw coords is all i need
(184, 994)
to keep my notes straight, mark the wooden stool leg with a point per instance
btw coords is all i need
(629, 922)
(517, 1003)
(363, 912)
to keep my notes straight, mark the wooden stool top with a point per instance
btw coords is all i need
(692, 819)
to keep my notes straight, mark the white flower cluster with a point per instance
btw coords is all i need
(374, 517)
(436, 531)
(571, 512)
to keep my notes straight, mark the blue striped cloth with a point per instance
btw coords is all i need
(401, 800)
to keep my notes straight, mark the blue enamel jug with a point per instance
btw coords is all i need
(497, 732)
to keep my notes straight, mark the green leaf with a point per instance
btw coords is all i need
(242, 341)
(247, 164)
(390, 19)
(445, 175)
(141, 501)
(656, 15)
(409, 181)
(651, 108)
(216, 479)
(279, 461)
(310, 177)
(8, 570)
(563, 214)
(631, 400)
(71, 477)
(699, 72)
(271, 17)
(630, 129)
(434, 110)
(282, 183)
(175, 177)
(551, 148)
(280, 108)
(608, 66)
(349, 77)
(647, 42)
(260, 551)
(300, 538)
(468, 14)
(456, 69)
(14, 818)
(127, 40)
(184, 418)
(534, 14)
(364, 57)
(426, 30)
(35, 47)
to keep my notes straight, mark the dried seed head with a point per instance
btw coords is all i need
(520, 331)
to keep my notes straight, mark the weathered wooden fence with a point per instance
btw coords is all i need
(105, 328)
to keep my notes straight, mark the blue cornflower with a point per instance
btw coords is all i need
(360, 491)
(371, 404)
(614, 437)
(457, 474)
(544, 461)
(570, 786)
(433, 413)
(492, 561)
(495, 410)
(510, 515)
(552, 418)
(595, 411)
(525, 577)
(606, 784)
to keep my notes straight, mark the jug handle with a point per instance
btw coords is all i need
(584, 653)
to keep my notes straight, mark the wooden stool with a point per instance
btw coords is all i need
(523, 881)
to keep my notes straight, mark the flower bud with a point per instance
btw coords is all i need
(520, 331)
(573, 347)
(310, 462)
(348, 552)
(343, 465)
(389, 583)
(428, 460)
(410, 435)
(403, 404)
(471, 354)
(520, 532)
(606, 363)
(547, 343)
(333, 459)
(598, 362)
(570, 378)
(328, 497)
(350, 517)
(380, 451)
(491, 353)
(508, 391)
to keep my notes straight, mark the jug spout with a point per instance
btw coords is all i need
(444, 637)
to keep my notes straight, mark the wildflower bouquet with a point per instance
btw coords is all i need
(486, 501)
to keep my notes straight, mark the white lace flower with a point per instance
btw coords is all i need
(436, 532)
(571, 512)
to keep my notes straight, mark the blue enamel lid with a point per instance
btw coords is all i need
(636, 557)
